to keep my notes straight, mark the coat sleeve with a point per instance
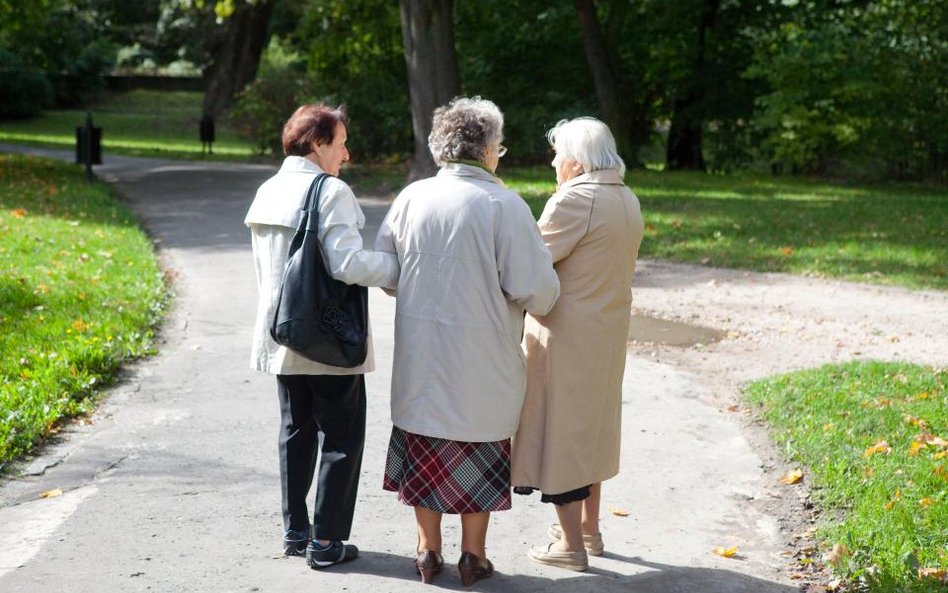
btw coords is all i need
(526, 271)
(564, 222)
(340, 219)
(385, 238)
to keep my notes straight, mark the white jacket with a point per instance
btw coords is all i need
(272, 218)
(472, 260)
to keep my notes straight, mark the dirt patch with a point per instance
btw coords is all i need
(767, 324)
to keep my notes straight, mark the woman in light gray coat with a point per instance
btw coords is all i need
(472, 261)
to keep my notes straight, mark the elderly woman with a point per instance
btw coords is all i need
(472, 261)
(314, 398)
(567, 442)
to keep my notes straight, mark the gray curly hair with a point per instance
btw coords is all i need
(464, 129)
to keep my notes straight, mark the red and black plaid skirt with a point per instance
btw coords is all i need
(448, 476)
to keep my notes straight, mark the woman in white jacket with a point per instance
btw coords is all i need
(314, 398)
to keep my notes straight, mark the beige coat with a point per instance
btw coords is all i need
(570, 422)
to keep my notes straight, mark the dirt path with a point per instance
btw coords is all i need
(740, 326)
(771, 323)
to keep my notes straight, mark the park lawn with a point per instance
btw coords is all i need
(80, 292)
(874, 439)
(885, 234)
(138, 123)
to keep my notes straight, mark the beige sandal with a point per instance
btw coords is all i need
(577, 561)
(592, 543)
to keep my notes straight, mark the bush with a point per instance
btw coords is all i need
(263, 107)
(23, 93)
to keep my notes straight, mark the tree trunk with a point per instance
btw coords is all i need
(607, 89)
(684, 136)
(684, 149)
(428, 35)
(235, 54)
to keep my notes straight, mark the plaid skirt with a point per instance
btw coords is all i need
(448, 476)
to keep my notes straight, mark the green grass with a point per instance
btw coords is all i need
(80, 292)
(884, 234)
(138, 123)
(886, 503)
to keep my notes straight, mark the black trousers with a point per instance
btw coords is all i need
(333, 405)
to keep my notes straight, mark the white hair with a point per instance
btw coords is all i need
(587, 141)
(464, 129)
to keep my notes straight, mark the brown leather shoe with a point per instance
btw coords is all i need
(473, 569)
(429, 565)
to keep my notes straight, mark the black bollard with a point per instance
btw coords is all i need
(88, 145)
(87, 138)
(207, 133)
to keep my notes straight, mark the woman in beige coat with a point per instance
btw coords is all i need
(567, 442)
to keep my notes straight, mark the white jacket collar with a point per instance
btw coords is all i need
(299, 164)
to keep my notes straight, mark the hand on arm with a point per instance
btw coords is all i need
(340, 219)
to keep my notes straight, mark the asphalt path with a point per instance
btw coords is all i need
(173, 484)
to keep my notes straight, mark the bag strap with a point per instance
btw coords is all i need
(310, 220)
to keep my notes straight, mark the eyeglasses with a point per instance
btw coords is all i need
(501, 150)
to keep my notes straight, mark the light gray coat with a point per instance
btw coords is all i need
(472, 261)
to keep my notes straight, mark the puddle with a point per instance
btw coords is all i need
(670, 333)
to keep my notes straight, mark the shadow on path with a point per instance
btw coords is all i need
(653, 578)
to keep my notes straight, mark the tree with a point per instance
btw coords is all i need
(601, 65)
(235, 52)
(684, 148)
(428, 36)
(353, 54)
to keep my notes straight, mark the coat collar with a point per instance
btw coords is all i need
(601, 177)
(463, 170)
(300, 164)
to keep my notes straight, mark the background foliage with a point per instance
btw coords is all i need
(846, 88)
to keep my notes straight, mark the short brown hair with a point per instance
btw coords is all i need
(311, 123)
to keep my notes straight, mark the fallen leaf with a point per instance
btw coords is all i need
(725, 552)
(837, 554)
(18, 212)
(796, 576)
(834, 585)
(52, 493)
(895, 499)
(916, 421)
(933, 573)
(915, 448)
(786, 251)
(620, 512)
(879, 447)
(930, 439)
(926, 502)
(792, 477)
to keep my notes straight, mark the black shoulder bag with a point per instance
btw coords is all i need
(317, 316)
